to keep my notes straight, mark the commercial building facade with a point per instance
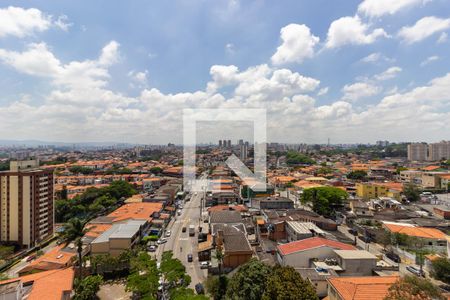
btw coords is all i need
(26, 203)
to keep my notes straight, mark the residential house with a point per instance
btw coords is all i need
(366, 287)
(48, 285)
(301, 254)
(430, 238)
(232, 240)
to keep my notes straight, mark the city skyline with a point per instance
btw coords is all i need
(352, 75)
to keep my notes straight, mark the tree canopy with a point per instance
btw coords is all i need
(296, 158)
(413, 288)
(93, 201)
(411, 192)
(173, 270)
(144, 276)
(324, 199)
(357, 175)
(87, 288)
(286, 283)
(249, 282)
(256, 280)
(441, 269)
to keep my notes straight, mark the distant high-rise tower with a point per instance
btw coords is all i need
(220, 143)
(417, 151)
(244, 151)
(26, 203)
(229, 144)
(438, 151)
(241, 142)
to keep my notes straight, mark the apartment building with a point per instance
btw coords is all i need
(438, 151)
(26, 203)
(417, 151)
(430, 152)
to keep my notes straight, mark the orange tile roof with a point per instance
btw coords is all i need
(283, 179)
(55, 256)
(363, 288)
(306, 184)
(48, 285)
(446, 176)
(430, 168)
(310, 243)
(391, 185)
(95, 230)
(138, 211)
(423, 232)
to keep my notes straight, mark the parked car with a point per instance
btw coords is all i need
(415, 271)
(161, 241)
(205, 265)
(168, 233)
(394, 257)
(151, 248)
(183, 229)
(31, 257)
(199, 288)
(190, 258)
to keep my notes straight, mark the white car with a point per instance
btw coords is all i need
(168, 233)
(161, 241)
(205, 265)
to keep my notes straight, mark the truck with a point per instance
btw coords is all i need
(191, 230)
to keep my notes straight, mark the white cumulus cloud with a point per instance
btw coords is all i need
(16, 21)
(423, 28)
(388, 74)
(378, 8)
(358, 90)
(297, 44)
(351, 30)
(429, 60)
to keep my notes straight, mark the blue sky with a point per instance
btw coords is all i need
(357, 71)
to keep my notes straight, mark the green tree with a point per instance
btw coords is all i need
(296, 158)
(81, 170)
(357, 175)
(87, 288)
(173, 270)
(217, 286)
(411, 192)
(441, 269)
(183, 293)
(144, 276)
(286, 283)
(6, 251)
(413, 288)
(73, 231)
(324, 199)
(156, 170)
(249, 281)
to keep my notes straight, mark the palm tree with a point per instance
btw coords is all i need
(74, 230)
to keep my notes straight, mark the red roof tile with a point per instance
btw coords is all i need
(310, 243)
